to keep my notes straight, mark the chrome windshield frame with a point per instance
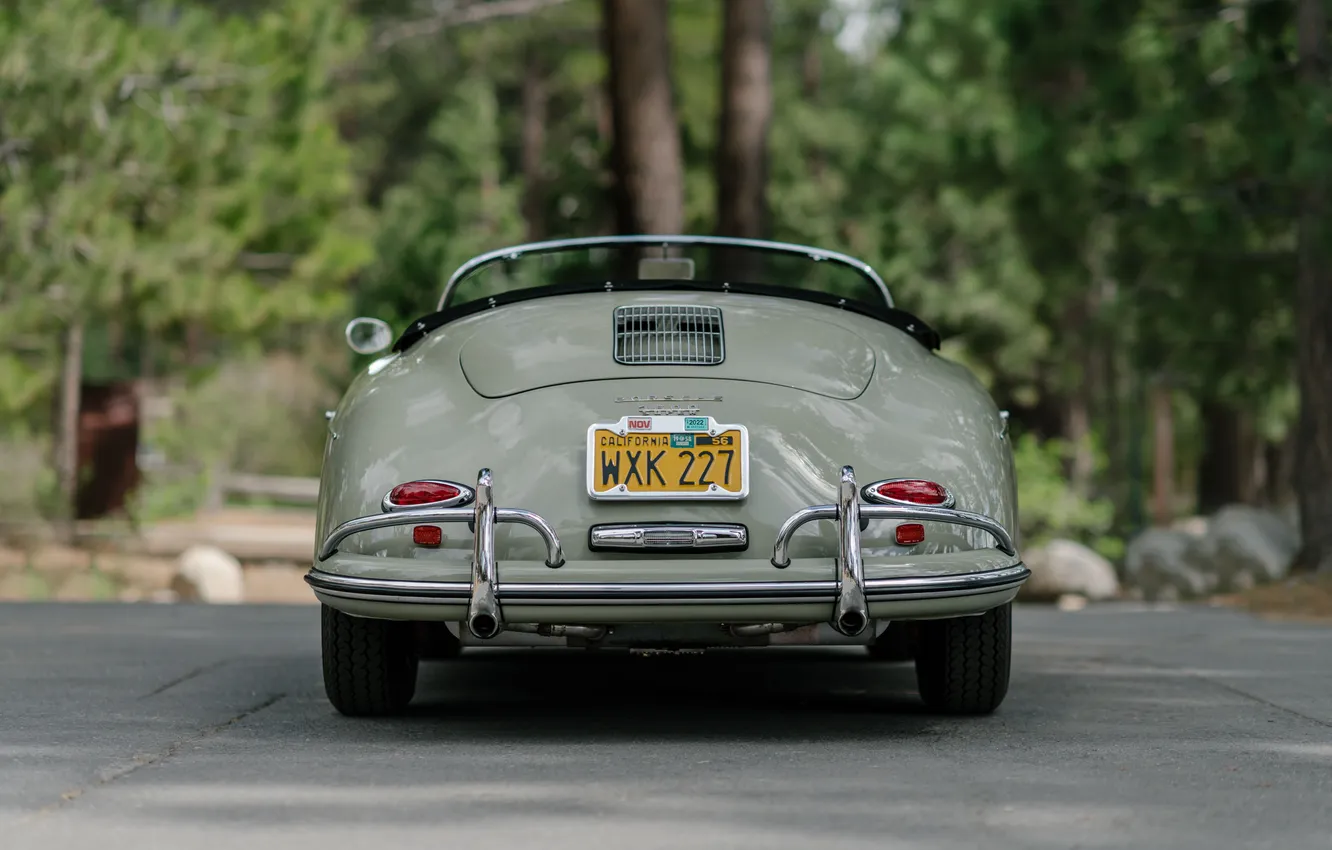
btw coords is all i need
(517, 251)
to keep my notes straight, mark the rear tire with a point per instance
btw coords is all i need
(963, 663)
(369, 665)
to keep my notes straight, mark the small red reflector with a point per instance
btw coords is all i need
(422, 493)
(910, 533)
(915, 491)
(427, 535)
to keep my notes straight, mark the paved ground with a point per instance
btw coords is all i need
(190, 727)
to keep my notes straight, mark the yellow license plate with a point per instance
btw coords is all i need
(667, 457)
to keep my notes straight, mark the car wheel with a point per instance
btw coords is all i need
(897, 643)
(962, 663)
(369, 665)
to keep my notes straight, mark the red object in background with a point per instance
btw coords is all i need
(108, 448)
(910, 533)
(427, 535)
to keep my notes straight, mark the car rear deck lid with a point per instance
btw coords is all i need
(573, 338)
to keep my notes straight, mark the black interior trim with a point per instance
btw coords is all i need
(906, 322)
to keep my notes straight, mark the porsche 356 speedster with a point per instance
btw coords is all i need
(665, 442)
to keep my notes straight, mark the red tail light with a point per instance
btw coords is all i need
(427, 494)
(427, 535)
(910, 533)
(909, 491)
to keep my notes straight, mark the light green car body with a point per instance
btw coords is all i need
(514, 390)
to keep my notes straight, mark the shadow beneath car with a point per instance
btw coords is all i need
(609, 694)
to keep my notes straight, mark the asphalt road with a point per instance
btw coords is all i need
(189, 728)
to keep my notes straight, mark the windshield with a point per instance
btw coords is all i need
(664, 262)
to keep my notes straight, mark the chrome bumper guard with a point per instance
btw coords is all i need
(485, 618)
(851, 613)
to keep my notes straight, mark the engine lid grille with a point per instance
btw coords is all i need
(669, 335)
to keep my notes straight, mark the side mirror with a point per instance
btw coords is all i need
(368, 336)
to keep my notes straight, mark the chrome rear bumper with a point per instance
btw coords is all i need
(848, 591)
(701, 593)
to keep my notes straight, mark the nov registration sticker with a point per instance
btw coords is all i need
(667, 457)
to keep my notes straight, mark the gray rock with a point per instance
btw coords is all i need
(1236, 548)
(1158, 565)
(1247, 546)
(1063, 567)
(208, 574)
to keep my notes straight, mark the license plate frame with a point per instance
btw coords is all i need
(681, 426)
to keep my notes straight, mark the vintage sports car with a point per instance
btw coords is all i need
(665, 442)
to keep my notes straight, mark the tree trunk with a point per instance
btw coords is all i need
(1279, 460)
(67, 451)
(536, 101)
(194, 333)
(811, 81)
(1081, 463)
(1313, 299)
(649, 166)
(1163, 462)
(1225, 468)
(1077, 429)
(1116, 456)
(811, 69)
(746, 112)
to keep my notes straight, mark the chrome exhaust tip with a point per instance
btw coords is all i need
(851, 623)
(484, 626)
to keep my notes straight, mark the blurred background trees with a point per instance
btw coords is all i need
(1116, 211)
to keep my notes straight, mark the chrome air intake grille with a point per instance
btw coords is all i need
(669, 335)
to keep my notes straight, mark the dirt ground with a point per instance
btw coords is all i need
(1301, 598)
(76, 575)
(112, 563)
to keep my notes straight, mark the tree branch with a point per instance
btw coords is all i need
(453, 16)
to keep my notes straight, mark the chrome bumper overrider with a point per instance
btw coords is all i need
(849, 591)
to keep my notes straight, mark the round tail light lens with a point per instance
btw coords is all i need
(420, 494)
(910, 491)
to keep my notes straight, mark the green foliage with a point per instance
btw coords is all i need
(160, 497)
(182, 166)
(452, 206)
(250, 415)
(30, 482)
(1048, 508)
